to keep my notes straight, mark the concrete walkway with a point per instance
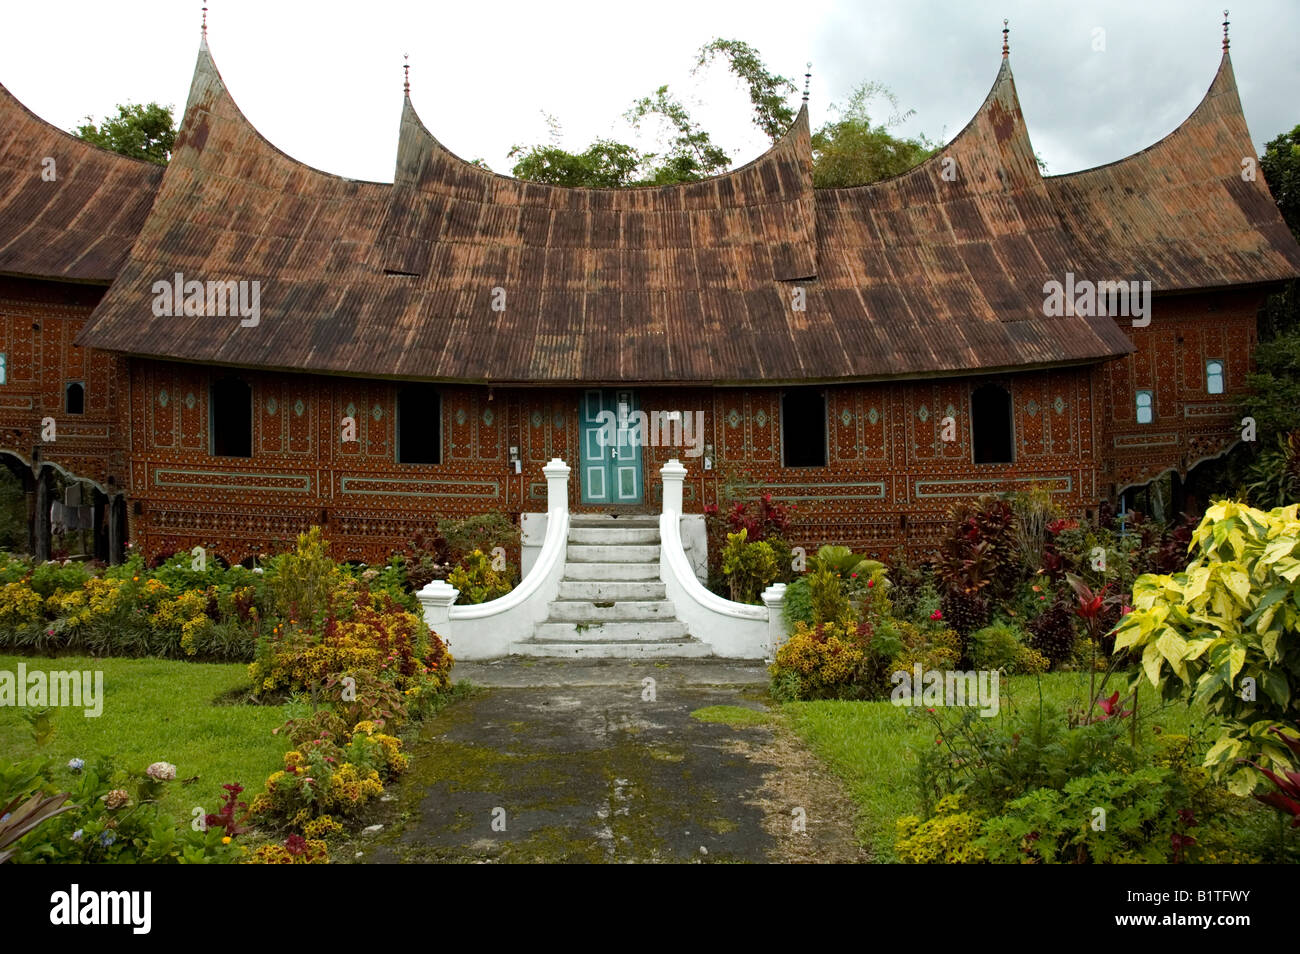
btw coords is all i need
(586, 762)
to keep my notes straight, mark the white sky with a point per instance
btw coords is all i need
(323, 80)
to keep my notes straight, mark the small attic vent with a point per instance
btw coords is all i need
(394, 273)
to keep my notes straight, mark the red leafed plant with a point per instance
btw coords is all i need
(226, 817)
(765, 521)
(1287, 797)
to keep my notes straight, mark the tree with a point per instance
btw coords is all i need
(768, 92)
(141, 132)
(604, 164)
(851, 151)
(1273, 396)
(1281, 167)
(691, 153)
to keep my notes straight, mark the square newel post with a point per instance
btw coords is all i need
(557, 486)
(674, 475)
(436, 598)
(774, 599)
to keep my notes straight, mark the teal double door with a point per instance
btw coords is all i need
(612, 435)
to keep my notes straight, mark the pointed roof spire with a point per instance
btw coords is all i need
(1006, 46)
(205, 20)
(406, 71)
(1225, 31)
(807, 80)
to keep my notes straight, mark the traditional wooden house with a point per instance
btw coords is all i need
(416, 349)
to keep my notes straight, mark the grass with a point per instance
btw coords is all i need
(732, 715)
(159, 710)
(870, 745)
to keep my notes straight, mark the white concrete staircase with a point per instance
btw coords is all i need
(611, 601)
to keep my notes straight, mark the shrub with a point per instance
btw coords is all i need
(477, 581)
(997, 646)
(303, 579)
(949, 837)
(483, 532)
(749, 567)
(826, 596)
(798, 606)
(1052, 632)
(389, 643)
(934, 647)
(112, 817)
(819, 662)
(1034, 511)
(1232, 615)
(980, 552)
(761, 521)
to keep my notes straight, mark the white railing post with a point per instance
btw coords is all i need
(436, 597)
(557, 486)
(774, 599)
(674, 475)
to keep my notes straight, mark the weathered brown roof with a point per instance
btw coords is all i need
(79, 225)
(939, 270)
(1180, 214)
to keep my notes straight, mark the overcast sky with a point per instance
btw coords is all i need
(323, 80)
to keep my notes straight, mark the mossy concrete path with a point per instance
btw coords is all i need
(570, 762)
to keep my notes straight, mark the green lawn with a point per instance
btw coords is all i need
(870, 744)
(158, 710)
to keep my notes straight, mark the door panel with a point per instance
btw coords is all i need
(611, 448)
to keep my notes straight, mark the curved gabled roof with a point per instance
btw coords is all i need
(941, 269)
(80, 224)
(1179, 213)
(456, 273)
(650, 284)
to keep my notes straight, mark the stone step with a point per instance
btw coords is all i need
(611, 572)
(612, 554)
(684, 648)
(613, 535)
(585, 611)
(603, 591)
(641, 630)
(609, 520)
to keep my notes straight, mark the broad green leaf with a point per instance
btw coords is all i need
(1151, 660)
(1172, 646)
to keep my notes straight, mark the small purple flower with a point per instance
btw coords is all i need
(107, 838)
(76, 764)
(76, 835)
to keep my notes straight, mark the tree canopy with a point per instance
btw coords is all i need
(851, 150)
(142, 132)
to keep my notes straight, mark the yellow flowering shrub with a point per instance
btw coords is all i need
(184, 615)
(70, 606)
(947, 838)
(20, 605)
(295, 850)
(818, 661)
(322, 828)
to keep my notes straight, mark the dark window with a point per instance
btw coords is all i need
(803, 428)
(76, 398)
(419, 424)
(231, 418)
(990, 411)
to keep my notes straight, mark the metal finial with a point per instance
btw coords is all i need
(205, 19)
(406, 71)
(807, 81)
(1006, 45)
(1225, 31)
